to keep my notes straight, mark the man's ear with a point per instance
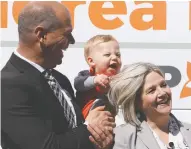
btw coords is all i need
(91, 62)
(40, 33)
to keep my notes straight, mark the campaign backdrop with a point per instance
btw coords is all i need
(151, 31)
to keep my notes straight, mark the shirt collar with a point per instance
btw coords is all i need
(41, 69)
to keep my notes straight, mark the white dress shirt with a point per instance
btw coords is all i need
(174, 136)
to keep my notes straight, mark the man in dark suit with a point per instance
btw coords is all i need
(37, 107)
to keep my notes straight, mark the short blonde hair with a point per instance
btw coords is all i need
(126, 88)
(94, 41)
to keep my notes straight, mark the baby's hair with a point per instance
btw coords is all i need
(95, 40)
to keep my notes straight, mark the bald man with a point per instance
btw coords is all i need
(38, 111)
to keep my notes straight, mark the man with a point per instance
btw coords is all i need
(37, 110)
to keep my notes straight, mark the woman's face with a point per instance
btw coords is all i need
(156, 96)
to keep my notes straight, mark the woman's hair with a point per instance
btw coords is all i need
(126, 88)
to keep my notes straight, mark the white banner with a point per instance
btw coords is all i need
(152, 31)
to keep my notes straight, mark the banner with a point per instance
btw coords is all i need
(150, 31)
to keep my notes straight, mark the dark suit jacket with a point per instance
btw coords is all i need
(32, 117)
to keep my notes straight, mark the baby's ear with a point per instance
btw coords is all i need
(91, 62)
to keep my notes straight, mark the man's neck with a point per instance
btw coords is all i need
(30, 54)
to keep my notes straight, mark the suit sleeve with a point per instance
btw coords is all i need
(25, 126)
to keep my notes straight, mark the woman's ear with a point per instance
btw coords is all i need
(91, 62)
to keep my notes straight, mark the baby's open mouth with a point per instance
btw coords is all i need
(114, 65)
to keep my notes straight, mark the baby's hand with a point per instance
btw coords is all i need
(101, 80)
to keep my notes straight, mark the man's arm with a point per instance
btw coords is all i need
(26, 128)
(29, 127)
(29, 122)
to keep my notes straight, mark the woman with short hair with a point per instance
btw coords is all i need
(145, 98)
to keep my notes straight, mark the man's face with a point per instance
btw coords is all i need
(56, 42)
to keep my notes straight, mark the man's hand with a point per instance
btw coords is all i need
(100, 125)
(102, 139)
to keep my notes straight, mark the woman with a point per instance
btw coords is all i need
(141, 91)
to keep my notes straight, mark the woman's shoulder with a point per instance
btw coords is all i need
(125, 135)
(181, 123)
(123, 128)
(186, 125)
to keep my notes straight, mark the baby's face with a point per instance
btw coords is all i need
(107, 58)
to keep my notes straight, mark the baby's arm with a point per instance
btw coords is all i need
(84, 82)
(89, 87)
(85, 88)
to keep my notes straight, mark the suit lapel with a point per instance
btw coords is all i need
(52, 102)
(186, 133)
(35, 76)
(147, 137)
(48, 100)
(22, 65)
(185, 130)
(79, 116)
